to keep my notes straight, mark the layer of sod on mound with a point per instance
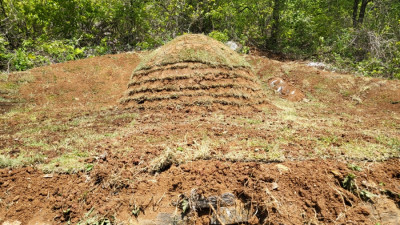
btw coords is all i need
(193, 70)
(193, 48)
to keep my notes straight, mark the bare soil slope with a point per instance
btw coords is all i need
(71, 153)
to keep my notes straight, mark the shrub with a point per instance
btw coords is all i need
(219, 36)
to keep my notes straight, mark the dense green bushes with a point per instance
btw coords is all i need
(363, 39)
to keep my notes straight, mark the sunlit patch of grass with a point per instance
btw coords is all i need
(71, 162)
(80, 141)
(269, 153)
(20, 161)
(391, 123)
(31, 142)
(9, 87)
(320, 88)
(249, 121)
(258, 143)
(180, 155)
(5, 99)
(391, 142)
(333, 122)
(3, 76)
(13, 86)
(16, 112)
(289, 110)
(41, 128)
(328, 140)
(360, 150)
(124, 116)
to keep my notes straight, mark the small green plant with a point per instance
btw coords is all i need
(349, 183)
(22, 60)
(366, 195)
(136, 211)
(67, 214)
(354, 167)
(89, 167)
(185, 205)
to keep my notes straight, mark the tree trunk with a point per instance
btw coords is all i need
(355, 12)
(364, 4)
(275, 23)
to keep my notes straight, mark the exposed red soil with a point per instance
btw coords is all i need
(286, 193)
(101, 84)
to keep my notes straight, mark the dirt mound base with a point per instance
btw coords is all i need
(193, 70)
(285, 89)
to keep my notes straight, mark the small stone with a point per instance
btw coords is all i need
(230, 215)
(103, 156)
(5, 184)
(275, 186)
(12, 223)
(282, 168)
(234, 46)
(48, 176)
(16, 198)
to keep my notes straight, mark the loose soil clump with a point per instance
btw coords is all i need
(285, 89)
(190, 71)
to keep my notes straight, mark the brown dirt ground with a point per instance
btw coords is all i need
(288, 162)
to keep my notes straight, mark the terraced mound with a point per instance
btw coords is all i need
(193, 70)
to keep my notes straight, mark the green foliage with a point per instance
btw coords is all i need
(136, 211)
(4, 54)
(61, 51)
(22, 60)
(354, 167)
(219, 36)
(349, 183)
(185, 205)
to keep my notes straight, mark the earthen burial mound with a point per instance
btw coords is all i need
(193, 71)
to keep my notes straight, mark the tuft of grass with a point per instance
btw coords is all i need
(361, 150)
(20, 161)
(179, 155)
(270, 153)
(390, 142)
(3, 77)
(93, 218)
(67, 163)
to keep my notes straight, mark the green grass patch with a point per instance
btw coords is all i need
(361, 150)
(390, 142)
(20, 161)
(72, 162)
(271, 153)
